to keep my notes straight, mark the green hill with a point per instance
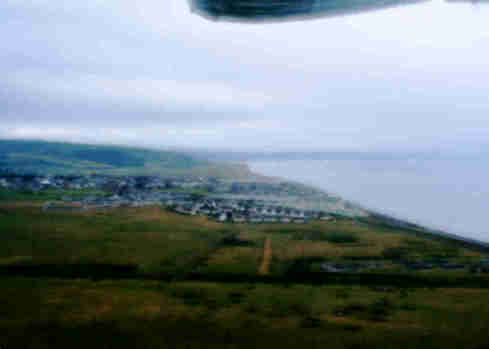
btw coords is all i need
(67, 158)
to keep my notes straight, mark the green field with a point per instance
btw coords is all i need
(154, 240)
(154, 314)
(146, 277)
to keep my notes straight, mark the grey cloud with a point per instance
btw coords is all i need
(153, 72)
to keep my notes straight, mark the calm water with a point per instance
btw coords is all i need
(449, 194)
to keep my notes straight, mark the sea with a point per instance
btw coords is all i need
(447, 194)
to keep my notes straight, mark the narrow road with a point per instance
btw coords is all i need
(267, 258)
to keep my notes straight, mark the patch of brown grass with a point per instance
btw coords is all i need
(228, 255)
(297, 249)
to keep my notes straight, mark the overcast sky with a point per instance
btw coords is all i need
(150, 72)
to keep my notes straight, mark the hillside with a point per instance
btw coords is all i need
(27, 156)
(147, 277)
(130, 276)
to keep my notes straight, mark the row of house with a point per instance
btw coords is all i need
(220, 209)
(241, 211)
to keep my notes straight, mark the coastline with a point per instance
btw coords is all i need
(393, 219)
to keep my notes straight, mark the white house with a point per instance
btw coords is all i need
(239, 219)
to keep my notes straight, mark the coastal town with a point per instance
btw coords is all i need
(230, 202)
(224, 201)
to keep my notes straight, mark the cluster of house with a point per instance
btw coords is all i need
(221, 209)
(125, 184)
(349, 267)
(275, 189)
(177, 194)
(35, 182)
(250, 211)
(481, 266)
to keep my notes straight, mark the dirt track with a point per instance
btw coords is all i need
(267, 257)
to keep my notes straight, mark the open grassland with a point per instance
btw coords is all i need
(51, 313)
(157, 242)
(151, 238)
(149, 278)
(349, 240)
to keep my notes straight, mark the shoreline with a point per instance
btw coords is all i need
(397, 221)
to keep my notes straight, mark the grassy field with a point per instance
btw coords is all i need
(149, 278)
(157, 241)
(53, 313)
